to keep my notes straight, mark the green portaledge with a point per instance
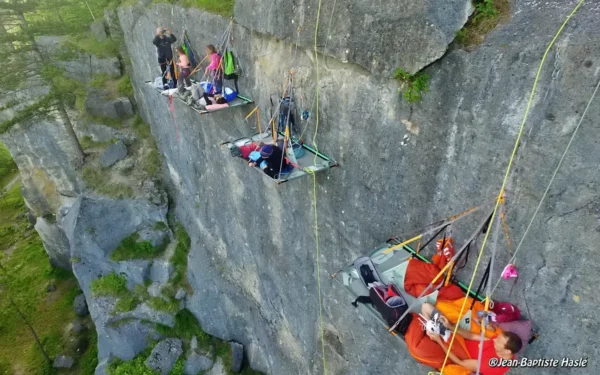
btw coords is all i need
(457, 282)
(313, 151)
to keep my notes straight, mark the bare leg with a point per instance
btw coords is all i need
(427, 310)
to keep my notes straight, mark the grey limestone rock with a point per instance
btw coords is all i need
(161, 271)
(80, 305)
(237, 354)
(164, 355)
(461, 136)
(113, 154)
(63, 361)
(196, 363)
(97, 103)
(180, 294)
(98, 30)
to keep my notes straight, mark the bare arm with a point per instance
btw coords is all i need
(462, 332)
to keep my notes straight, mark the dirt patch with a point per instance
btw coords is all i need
(475, 30)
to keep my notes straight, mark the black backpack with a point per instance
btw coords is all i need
(391, 309)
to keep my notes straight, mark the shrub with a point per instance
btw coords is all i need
(413, 86)
(109, 285)
(132, 248)
(136, 366)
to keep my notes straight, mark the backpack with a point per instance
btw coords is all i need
(388, 301)
(287, 109)
(229, 66)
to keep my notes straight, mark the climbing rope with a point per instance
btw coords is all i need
(318, 254)
(562, 158)
(507, 173)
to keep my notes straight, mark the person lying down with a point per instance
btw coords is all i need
(462, 360)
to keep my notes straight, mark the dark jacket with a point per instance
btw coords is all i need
(274, 163)
(163, 46)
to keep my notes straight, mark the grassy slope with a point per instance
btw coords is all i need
(8, 169)
(26, 277)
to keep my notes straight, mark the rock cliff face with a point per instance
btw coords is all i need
(253, 263)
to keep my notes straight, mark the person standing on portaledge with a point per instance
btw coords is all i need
(163, 40)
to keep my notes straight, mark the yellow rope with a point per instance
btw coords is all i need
(315, 194)
(506, 175)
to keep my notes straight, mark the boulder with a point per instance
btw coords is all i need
(217, 369)
(31, 218)
(161, 271)
(196, 363)
(103, 366)
(98, 30)
(78, 326)
(82, 67)
(194, 344)
(100, 132)
(164, 355)
(180, 294)
(80, 305)
(97, 103)
(113, 154)
(63, 361)
(55, 242)
(155, 289)
(237, 354)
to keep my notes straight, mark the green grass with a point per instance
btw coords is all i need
(136, 366)
(87, 142)
(160, 304)
(132, 248)
(179, 260)
(109, 285)
(8, 168)
(73, 46)
(98, 180)
(114, 88)
(141, 128)
(178, 367)
(124, 87)
(487, 15)
(89, 360)
(187, 326)
(222, 7)
(26, 274)
(413, 86)
(115, 285)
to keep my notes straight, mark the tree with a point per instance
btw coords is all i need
(23, 65)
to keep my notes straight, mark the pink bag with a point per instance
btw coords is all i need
(506, 312)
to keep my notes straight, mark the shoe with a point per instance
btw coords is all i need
(165, 86)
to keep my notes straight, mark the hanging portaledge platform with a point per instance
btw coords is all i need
(391, 267)
(240, 100)
(306, 162)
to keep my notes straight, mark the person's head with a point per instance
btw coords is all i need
(266, 151)
(210, 49)
(235, 151)
(507, 343)
(180, 51)
(160, 31)
(219, 99)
